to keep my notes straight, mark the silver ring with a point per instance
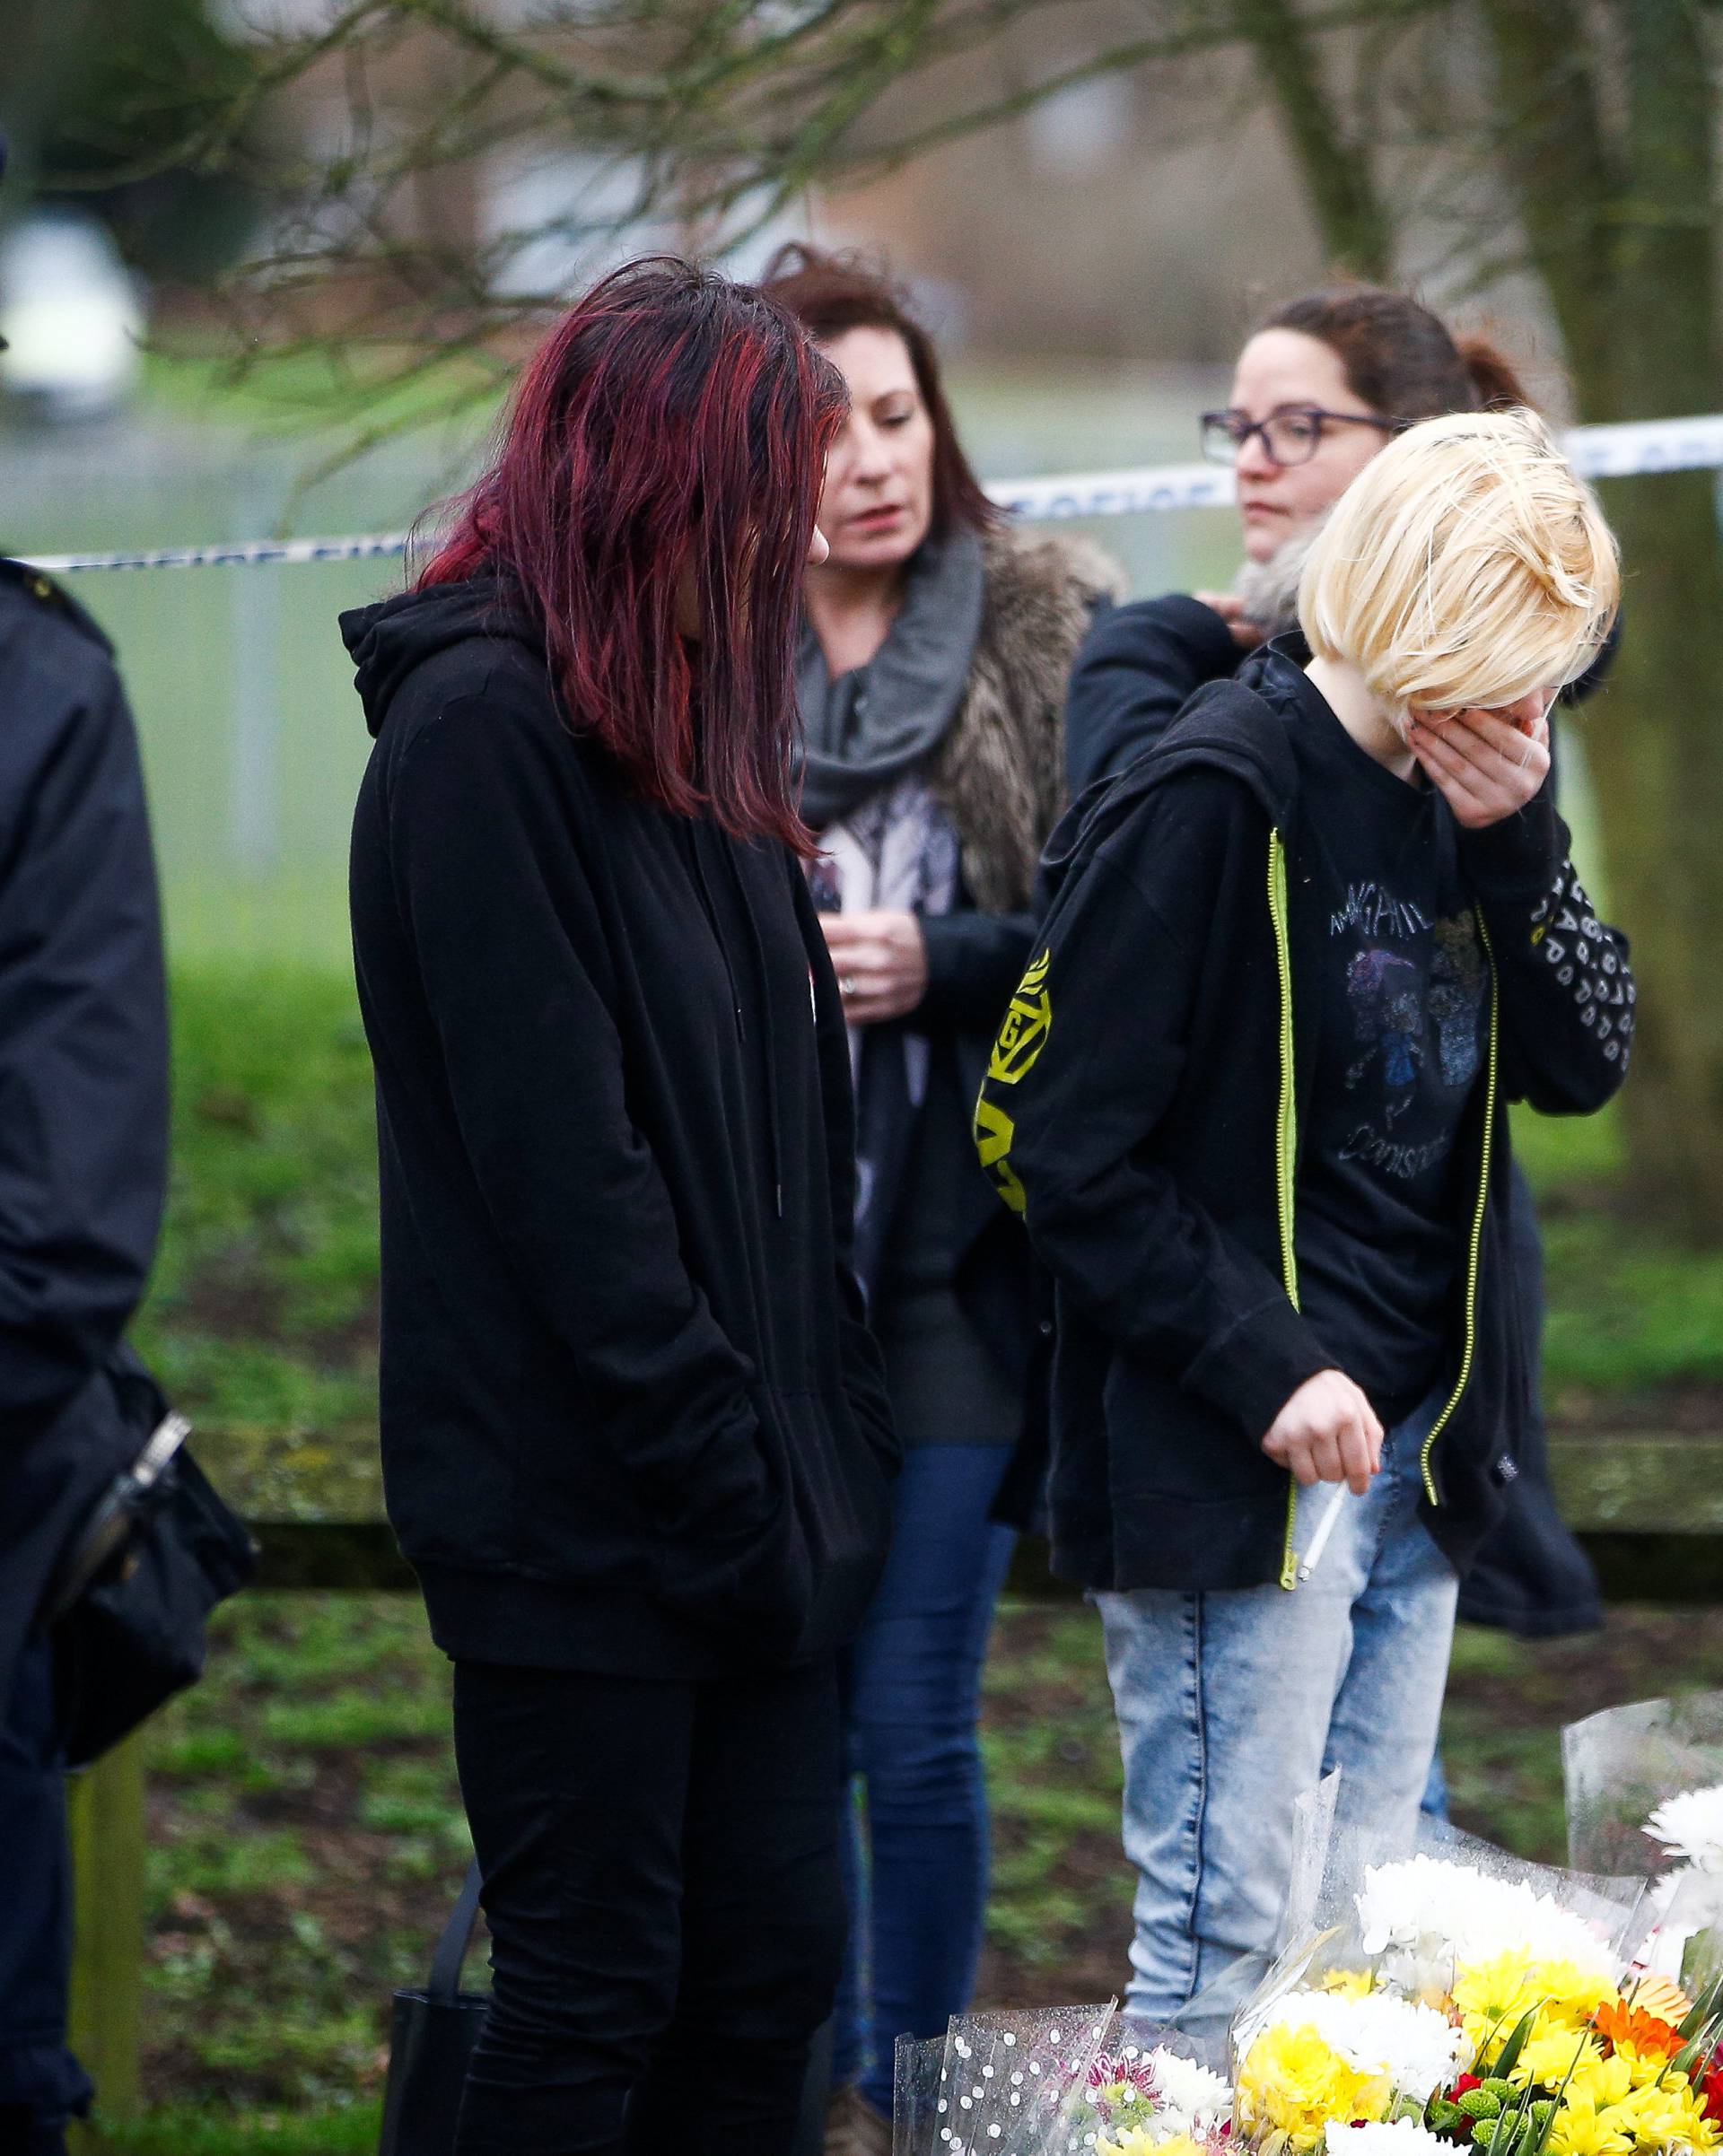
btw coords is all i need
(846, 984)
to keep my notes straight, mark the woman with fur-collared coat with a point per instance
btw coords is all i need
(932, 668)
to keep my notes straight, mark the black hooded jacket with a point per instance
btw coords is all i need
(632, 1420)
(1138, 668)
(1144, 1107)
(83, 1084)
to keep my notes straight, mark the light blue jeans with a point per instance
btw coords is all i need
(1232, 1704)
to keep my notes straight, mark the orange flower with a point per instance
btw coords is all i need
(1631, 2029)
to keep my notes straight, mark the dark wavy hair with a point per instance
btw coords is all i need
(1402, 359)
(672, 418)
(832, 293)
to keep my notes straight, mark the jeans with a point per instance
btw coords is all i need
(912, 1698)
(1232, 1704)
(42, 2087)
(662, 1886)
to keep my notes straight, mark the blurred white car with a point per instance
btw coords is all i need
(71, 315)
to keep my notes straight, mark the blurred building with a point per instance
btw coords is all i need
(1143, 215)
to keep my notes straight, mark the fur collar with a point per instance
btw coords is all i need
(1001, 771)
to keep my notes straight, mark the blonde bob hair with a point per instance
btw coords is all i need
(1467, 566)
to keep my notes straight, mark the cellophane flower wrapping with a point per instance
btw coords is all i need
(1462, 2000)
(1001, 2084)
(1149, 2093)
(1645, 1794)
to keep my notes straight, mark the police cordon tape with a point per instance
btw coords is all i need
(1613, 453)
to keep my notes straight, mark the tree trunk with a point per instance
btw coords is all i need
(1657, 746)
(1654, 743)
(1622, 232)
(1339, 184)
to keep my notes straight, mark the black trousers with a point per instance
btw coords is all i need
(662, 1885)
(42, 2086)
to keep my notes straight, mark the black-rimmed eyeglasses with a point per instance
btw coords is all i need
(1290, 437)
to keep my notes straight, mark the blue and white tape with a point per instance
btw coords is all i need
(1613, 453)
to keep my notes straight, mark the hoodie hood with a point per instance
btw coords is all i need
(388, 641)
(1237, 725)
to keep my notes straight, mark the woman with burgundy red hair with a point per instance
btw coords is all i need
(635, 1439)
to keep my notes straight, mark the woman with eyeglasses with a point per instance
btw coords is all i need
(1319, 389)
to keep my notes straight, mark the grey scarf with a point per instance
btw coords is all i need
(1270, 588)
(877, 723)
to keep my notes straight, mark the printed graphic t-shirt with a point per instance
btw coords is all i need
(1380, 1214)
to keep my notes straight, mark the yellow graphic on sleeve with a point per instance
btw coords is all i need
(1027, 1022)
(994, 1131)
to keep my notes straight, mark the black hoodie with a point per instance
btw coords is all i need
(632, 1420)
(1144, 1108)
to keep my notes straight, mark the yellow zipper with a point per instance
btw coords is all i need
(1476, 1245)
(1286, 1128)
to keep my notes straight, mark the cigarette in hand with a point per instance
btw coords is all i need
(1324, 1528)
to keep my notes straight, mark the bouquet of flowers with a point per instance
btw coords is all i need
(1000, 2084)
(1151, 2098)
(1466, 2008)
(1645, 1791)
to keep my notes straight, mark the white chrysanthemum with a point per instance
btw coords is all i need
(1197, 2099)
(1418, 2049)
(1690, 1827)
(1396, 2137)
(1430, 1907)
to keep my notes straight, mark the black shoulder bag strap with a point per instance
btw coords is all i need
(456, 1937)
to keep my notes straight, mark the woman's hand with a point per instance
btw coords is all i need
(880, 960)
(1245, 633)
(1486, 765)
(1327, 1432)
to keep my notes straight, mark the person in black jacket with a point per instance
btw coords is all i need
(1251, 1098)
(934, 651)
(636, 1437)
(1325, 381)
(84, 1137)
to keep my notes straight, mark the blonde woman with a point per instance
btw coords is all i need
(1251, 1098)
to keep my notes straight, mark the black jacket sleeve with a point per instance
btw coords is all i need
(511, 949)
(1566, 984)
(864, 1376)
(973, 961)
(1085, 1069)
(83, 1050)
(1134, 673)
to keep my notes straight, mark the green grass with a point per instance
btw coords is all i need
(307, 1838)
(1629, 1311)
(263, 1310)
(263, 1307)
(306, 1832)
(327, 393)
(215, 2130)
